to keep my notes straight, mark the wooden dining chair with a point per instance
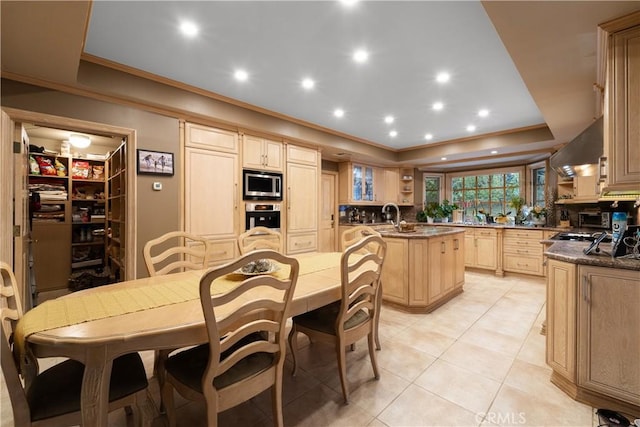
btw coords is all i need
(247, 344)
(52, 397)
(353, 235)
(176, 251)
(259, 238)
(353, 317)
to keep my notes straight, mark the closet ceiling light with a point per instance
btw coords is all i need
(79, 141)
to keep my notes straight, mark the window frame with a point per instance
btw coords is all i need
(441, 191)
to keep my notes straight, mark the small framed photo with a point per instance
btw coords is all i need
(155, 162)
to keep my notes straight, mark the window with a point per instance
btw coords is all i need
(433, 189)
(537, 186)
(489, 192)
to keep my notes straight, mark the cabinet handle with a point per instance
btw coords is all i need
(585, 288)
(288, 197)
(442, 247)
(456, 244)
(235, 196)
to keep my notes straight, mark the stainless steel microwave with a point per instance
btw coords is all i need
(594, 219)
(260, 185)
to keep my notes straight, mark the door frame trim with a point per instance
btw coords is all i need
(49, 120)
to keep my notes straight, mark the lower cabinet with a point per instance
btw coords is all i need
(609, 332)
(422, 274)
(481, 248)
(593, 340)
(51, 272)
(522, 251)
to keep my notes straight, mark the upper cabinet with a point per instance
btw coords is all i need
(262, 154)
(370, 185)
(622, 103)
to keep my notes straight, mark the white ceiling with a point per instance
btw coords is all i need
(280, 42)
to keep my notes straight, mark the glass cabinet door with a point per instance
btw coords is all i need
(368, 184)
(357, 182)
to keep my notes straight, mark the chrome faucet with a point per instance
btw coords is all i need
(384, 208)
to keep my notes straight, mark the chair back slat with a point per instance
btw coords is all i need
(354, 234)
(176, 251)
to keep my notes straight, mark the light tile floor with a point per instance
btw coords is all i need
(476, 361)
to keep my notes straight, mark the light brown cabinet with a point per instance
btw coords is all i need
(302, 200)
(51, 272)
(622, 127)
(481, 248)
(262, 154)
(561, 318)
(116, 211)
(212, 174)
(522, 251)
(592, 334)
(608, 334)
(422, 274)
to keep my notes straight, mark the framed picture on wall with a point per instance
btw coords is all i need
(154, 162)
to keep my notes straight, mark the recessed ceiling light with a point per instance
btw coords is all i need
(393, 134)
(471, 128)
(428, 137)
(338, 112)
(443, 158)
(438, 105)
(360, 55)
(494, 151)
(483, 113)
(189, 29)
(389, 119)
(241, 75)
(307, 83)
(443, 77)
(348, 3)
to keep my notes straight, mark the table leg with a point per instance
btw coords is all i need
(95, 388)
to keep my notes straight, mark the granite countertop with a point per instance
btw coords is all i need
(572, 251)
(419, 232)
(458, 224)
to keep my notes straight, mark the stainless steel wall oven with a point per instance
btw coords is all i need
(262, 214)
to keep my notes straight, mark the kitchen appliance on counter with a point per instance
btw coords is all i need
(260, 185)
(594, 219)
(262, 214)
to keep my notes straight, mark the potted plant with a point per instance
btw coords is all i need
(432, 211)
(517, 203)
(538, 215)
(446, 209)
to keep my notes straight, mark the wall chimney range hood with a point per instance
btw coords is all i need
(585, 149)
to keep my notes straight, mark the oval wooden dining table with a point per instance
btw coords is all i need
(159, 324)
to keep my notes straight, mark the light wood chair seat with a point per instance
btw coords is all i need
(246, 350)
(353, 317)
(52, 397)
(259, 238)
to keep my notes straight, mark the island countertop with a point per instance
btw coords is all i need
(572, 251)
(419, 232)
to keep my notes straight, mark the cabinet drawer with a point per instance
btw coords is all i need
(523, 234)
(297, 243)
(523, 250)
(221, 251)
(530, 244)
(523, 264)
(482, 232)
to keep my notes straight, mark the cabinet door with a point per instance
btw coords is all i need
(210, 138)
(391, 179)
(459, 255)
(302, 196)
(273, 155)
(358, 191)
(608, 334)
(369, 190)
(211, 193)
(469, 249)
(252, 155)
(486, 251)
(395, 275)
(624, 126)
(378, 185)
(561, 322)
(441, 268)
(51, 255)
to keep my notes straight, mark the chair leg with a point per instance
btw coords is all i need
(372, 354)
(166, 393)
(160, 357)
(276, 398)
(376, 317)
(342, 369)
(293, 344)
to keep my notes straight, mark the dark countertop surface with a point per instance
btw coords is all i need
(419, 232)
(458, 224)
(572, 251)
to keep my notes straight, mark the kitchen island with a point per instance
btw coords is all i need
(423, 268)
(593, 326)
